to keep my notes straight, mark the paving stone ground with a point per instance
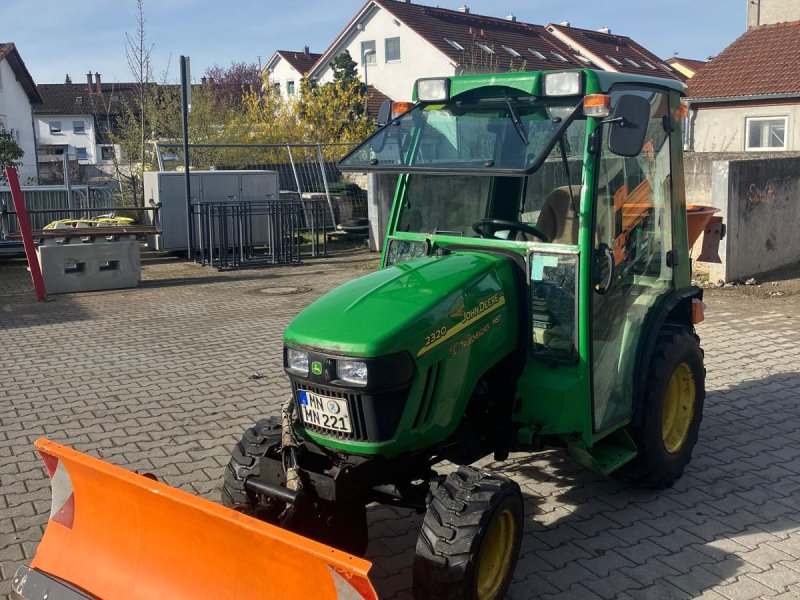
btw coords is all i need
(157, 379)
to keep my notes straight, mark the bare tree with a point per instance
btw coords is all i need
(137, 55)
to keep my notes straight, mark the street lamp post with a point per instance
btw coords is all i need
(367, 52)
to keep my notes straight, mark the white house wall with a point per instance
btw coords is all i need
(723, 129)
(15, 113)
(395, 79)
(282, 73)
(68, 136)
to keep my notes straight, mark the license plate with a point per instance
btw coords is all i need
(324, 411)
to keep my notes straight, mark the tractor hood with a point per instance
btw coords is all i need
(402, 306)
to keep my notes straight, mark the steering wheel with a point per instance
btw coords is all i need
(478, 226)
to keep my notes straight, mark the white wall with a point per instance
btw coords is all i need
(68, 137)
(395, 79)
(282, 72)
(15, 113)
(762, 12)
(723, 129)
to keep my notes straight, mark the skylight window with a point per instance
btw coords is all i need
(667, 67)
(511, 51)
(613, 60)
(633, 63)
(583, 59)
(560, 57)
(454, 44)
(649, 65)
(537, 54)
(484, 47)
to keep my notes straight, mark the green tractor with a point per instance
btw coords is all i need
(534, 291)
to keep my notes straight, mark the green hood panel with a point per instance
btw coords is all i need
(392, 309)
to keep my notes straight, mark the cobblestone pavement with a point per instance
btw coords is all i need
(157, 379)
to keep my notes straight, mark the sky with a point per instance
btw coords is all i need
(56, 37)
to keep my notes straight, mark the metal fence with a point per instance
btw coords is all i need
(307, 170)
(234, 235)
(48, 203)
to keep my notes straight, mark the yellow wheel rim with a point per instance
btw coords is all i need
(678, 410)
(495, 557)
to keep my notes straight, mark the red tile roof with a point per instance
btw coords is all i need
(501, 36)
(300, 61)
(764, 60)
(375, 98)
(619, 51)
(9, 52)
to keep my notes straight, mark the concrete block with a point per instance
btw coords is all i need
(83, 267)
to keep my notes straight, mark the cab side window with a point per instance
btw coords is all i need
(634, 194)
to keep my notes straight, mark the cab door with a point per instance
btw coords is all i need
(632, 267)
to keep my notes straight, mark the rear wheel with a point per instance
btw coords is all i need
(668, 413)
(469, 542)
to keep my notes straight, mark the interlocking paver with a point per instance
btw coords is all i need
(158, 378)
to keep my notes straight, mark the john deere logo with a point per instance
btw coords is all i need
(316, 368)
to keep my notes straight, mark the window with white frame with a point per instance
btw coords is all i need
(392, 48)
(81, 153)
(766, 133)
(290, 88)
(368, 52)
(107, 153)
(78, 127)
(55, 126)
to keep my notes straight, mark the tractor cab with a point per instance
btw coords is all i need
(577, 176)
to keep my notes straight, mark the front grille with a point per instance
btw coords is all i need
(374, 417)
(354, 405)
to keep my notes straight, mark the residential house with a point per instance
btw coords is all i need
(748, 98)
(18, 94)
(286, 68)
(396, 42)
(765, 12)
(686, 66)
(612, 52)
(76, 120)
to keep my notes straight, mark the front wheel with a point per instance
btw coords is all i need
(469, 542)
(667, 414)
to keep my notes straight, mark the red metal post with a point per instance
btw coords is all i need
(25, 230)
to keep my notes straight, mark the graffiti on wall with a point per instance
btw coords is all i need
(760, 195)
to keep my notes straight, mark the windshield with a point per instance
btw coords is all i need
(499, 130)
(546, 199)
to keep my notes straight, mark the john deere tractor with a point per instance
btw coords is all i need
(534, 291)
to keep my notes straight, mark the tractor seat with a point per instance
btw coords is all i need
(557, 219)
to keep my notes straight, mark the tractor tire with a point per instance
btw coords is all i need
(470, 538)
(244, 462)
(668, 413)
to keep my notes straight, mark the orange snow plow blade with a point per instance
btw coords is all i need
(114, 534)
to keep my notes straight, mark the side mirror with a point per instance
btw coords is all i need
(629, 125)
(384, 113)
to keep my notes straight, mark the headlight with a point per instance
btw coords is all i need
(297, 361)
(351, 371)
(433, 90)
(563, 84)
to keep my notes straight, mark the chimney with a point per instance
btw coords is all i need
(464, 9)
(97, 82)
(511, 17)
(564, 23)
(89, 83)
(604, 30)
(306, 50)
(203, 81)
